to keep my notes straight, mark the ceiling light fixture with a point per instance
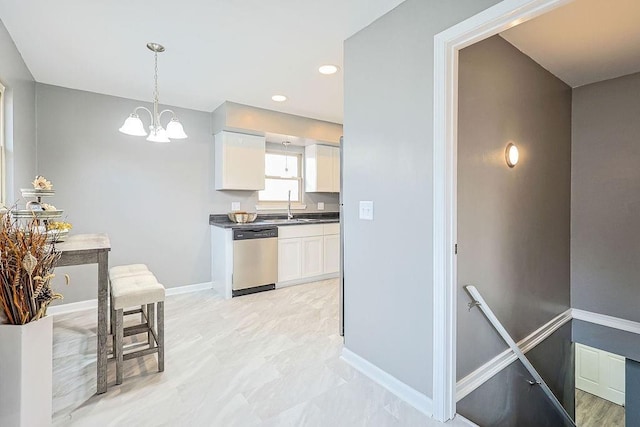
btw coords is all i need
(133, 125)
(328, 69)
(286, 157)
(279, 98)
(512, 155)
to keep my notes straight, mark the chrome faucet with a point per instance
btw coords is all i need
(289, 214)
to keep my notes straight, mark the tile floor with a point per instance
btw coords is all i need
(269, 359)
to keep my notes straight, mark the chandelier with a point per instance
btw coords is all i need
(133, 125)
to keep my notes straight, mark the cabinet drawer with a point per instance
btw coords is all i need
(333, 228)
(291, 231)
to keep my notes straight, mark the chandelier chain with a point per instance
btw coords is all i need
(155, 77)
(156, 92)
(157, 133)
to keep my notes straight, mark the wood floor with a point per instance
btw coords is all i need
(269, 359)
(592, 411)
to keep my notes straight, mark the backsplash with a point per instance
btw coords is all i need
(221, 201)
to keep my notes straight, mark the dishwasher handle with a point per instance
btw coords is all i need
(255, 233)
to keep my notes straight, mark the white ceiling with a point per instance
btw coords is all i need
(585, 41)
(217, 50)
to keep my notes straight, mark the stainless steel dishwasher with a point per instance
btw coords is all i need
(255, 260)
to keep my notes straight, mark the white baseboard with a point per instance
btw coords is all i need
(189, 288)
(604, 320)
(92, 304)
(306, 280)
(410, 395)
(72, 307)
(487, 371)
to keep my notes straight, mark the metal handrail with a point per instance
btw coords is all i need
(478, 301)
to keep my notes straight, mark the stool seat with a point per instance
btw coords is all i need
(137, 290)
(134, 285)
(127, 270)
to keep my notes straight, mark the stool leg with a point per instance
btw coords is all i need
(119, 346)
(113, 328)
(160, 331)
(150, 323)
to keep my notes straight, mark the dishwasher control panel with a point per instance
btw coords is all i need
(260, 233)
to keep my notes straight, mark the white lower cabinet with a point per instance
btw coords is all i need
(331, 253)
(312, 264)
(289, 259)
(307, 251)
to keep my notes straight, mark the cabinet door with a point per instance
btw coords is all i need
(312, 264)
(289, 259)
(319, 161)
(335, 159)
(239, 161)
(331, 253)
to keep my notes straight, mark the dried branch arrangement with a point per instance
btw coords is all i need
(26, 270)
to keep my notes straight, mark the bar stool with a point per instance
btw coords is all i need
(131, 291)
(126, 271)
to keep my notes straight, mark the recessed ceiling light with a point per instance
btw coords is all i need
(279, 98)
(328, 69)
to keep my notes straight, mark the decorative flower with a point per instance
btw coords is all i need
(29, 263)
(41, 183)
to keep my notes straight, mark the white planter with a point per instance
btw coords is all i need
(26, 371)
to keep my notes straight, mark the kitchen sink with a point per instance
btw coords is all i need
(286, 221)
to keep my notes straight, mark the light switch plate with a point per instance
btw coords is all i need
(320, 206)
(366, 210)
(235, 206)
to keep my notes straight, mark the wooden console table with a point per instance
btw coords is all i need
(92, 249)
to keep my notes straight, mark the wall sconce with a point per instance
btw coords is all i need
(511, 155)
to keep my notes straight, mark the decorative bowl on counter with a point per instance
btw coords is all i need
(242, 217)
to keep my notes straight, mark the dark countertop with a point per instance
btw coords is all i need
(265, 220)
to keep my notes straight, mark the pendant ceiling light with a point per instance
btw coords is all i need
(133, 125)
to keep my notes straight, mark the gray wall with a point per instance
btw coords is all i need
(153, 200)
(632, 391)
(513, 223)
(605, 198)
(20, 117)
(387, 159)
(508, 400)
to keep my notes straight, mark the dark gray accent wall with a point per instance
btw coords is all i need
(508, 399)
(605, 198)
(616, 341)
(20, 117)
(513, 223)
(387, 159)
(632, 393)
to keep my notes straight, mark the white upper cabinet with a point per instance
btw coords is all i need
(239, 161)
(322, 169)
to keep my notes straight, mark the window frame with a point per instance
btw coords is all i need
(277, 204)
(3, 166)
